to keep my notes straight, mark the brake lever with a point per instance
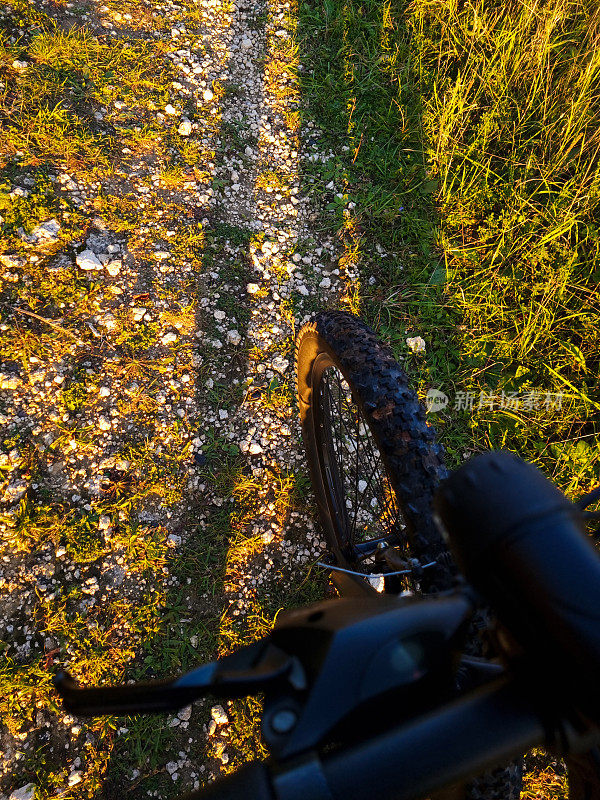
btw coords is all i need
(247, 671)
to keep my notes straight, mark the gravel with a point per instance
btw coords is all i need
(232, 313)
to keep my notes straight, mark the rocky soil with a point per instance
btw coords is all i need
(149, 430)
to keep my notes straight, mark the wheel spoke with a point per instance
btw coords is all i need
(365, 502)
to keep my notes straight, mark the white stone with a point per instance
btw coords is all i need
(280, 364)
(219, 315)
(207, 95)
(185, 713)
(233, 337)
(20, 65)
(325, 283)
(219, 715)
(23, 793)
(104, 424)
(162, 255)
(88, 261)
(416, 344)
(9, 382)
(113, 268)
(138, 313)
(185, 128)
(223, 414)
(104, 391)
(362, 485)
(12, 261)
(170, 110)
(75, 777)
(254, 449)
(252, 288)
(46, 232)
(169, 338)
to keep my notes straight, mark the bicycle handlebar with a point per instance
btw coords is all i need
(519, 541)
(448, 745)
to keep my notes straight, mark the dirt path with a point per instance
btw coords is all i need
(153, 488)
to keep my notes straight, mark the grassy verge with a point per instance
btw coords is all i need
(466, 137)
(95, 476)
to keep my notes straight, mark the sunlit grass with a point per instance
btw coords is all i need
(467, 137)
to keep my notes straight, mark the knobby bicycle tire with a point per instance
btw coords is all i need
(413, 461)
(412, 458)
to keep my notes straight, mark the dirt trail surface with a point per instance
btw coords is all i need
(154, 495)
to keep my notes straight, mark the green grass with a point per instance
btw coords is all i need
(471, 135)
(87, 105)
(472, 161)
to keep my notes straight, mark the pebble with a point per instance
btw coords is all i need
(185, 128)
(46, 232)
(87, 260)
(9, 381)
(104, 523)
(75, 777)
(416, 344)
(12, 261)
(207, 95)
(219, 715)
(23, 793)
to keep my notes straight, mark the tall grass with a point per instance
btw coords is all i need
(511, 120)
(472, 133)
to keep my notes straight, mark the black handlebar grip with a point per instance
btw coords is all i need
(251, 782)
(520, 542)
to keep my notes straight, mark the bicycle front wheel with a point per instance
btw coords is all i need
(373, 459)
(375, 465)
